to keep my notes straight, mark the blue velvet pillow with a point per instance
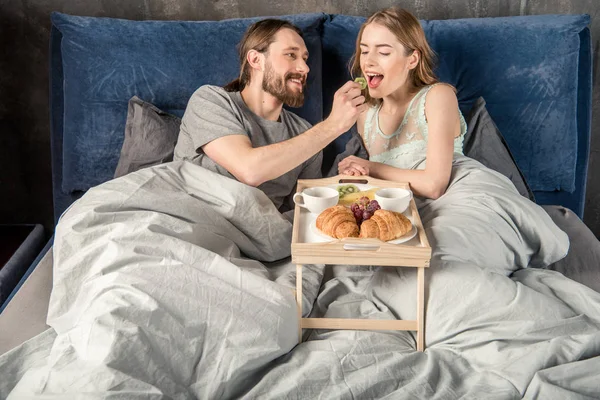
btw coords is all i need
(106, 61)
(525, 68)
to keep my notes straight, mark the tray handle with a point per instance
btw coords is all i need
(363, 181)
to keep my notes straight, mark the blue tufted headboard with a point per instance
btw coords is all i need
(98, 64)
(534, 73)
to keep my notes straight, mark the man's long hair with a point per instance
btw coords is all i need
(259, 37)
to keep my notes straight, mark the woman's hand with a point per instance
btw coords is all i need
(354, 172)
(354, 166)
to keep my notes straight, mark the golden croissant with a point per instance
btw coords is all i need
(337, 222)
(385, 225)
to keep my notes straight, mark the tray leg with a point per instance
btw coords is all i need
(299, 300)
(420, 309)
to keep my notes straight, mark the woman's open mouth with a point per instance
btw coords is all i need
(374, 80)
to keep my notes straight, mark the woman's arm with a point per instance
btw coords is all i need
(441, 111)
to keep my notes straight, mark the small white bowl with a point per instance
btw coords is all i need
(393, 199)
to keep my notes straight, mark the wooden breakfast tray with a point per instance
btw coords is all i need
(354, 251)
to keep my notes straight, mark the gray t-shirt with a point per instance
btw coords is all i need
(213, 112)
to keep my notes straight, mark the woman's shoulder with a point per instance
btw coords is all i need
(440, 89)
(439, 94)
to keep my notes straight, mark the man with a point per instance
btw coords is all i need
(243, 132)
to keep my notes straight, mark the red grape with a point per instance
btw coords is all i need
(364, 208)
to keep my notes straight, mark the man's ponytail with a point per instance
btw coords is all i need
(233, 86)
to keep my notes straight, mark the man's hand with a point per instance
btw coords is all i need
(355, 166)
(348, 103)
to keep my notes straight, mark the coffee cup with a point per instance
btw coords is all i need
(317, 199)
(393, 199)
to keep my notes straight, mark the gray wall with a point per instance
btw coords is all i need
(25, 171)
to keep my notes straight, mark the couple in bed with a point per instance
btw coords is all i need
(243, 132)
(174, 281)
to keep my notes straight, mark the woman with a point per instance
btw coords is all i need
(413, 132)
(412, 116)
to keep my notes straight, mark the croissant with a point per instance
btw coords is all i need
(338, 222)
(385, 225)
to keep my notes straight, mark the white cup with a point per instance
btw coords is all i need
(317, 199)
(393, 199)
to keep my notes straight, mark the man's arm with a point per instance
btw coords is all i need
(255, 166)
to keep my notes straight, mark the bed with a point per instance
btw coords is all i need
(170, 281)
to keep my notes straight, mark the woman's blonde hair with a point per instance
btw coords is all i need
(259, 37)
(408, 31)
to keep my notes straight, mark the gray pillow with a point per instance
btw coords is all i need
(150, 137)
(582, 263)
(484, 143)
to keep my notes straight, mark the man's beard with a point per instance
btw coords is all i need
(277, 87)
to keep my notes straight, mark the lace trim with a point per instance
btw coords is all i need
(408, 148)
(421, 119)
(398, 130)
(368, 126)
(422, 123)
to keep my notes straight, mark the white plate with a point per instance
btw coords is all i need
(326, 238)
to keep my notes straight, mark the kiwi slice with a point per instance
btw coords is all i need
(352, 189)
(362, 81)
(346, 189)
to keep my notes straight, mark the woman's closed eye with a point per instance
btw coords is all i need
(366, 52)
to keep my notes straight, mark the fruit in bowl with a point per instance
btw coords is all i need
(364, 208)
